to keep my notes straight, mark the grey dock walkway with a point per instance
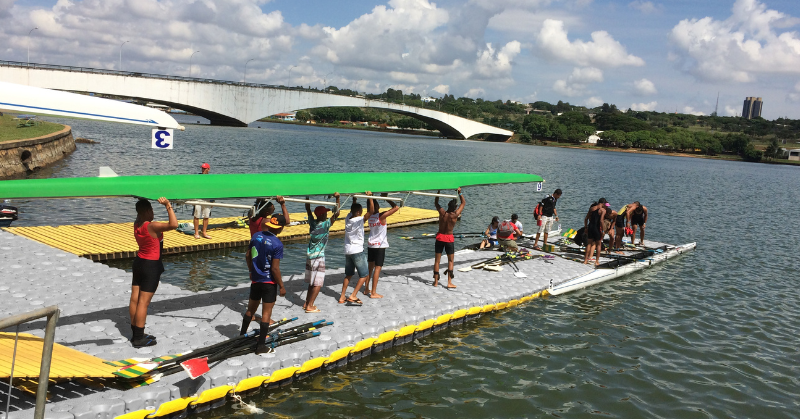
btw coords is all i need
(93, 299)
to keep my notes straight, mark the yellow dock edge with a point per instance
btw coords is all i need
(100, 242)
(185, 406)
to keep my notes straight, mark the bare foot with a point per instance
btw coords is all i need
(450, 286)
(375, 295)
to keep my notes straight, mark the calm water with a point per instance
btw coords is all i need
(710, 334)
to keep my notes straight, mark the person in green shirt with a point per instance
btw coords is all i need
(319, 227)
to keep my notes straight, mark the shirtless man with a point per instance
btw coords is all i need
(444, 238)
(637, 215)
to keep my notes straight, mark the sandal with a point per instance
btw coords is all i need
(314, 310)
(355, 302)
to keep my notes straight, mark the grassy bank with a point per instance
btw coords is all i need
(353, 127)
(10, 132)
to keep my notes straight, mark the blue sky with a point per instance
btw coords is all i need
(648, 55)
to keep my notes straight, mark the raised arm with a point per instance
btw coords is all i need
(280, 200)
(335, 210)
(391, 211)
(463, 203)
(156, 227)
(439, 208)
(370, 206)
(308, 210)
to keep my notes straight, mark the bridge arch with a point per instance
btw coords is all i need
(223, 102)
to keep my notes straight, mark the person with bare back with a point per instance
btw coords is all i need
(377, 244)
(445, 239)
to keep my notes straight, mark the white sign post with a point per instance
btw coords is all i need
(162, 139)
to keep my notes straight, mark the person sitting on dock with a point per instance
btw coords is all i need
(202, 211)
(593, 229)
(319, 228)
(507, 235)
(264, 264)
(354, 258)
(545, 214)
(147, 267)
(518, 223)
(637, 216)
(491, 234)
(264, 212)
(376, 251)
(445, 241)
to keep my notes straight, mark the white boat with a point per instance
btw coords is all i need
(602, 275)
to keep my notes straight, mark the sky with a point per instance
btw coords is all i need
(665, 56)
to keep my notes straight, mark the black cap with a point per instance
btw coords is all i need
(276, 221)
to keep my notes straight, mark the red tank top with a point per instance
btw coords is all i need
(149, 248)
(255, 225)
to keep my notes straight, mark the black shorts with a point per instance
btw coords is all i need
(620, 221)
(147, 274)
(593, 233)
(448, 247)
(637, 219)
(377, 255)
(264, 292)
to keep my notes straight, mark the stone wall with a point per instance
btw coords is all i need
(24, 156)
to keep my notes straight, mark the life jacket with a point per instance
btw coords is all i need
(505, 230)
(538, 211)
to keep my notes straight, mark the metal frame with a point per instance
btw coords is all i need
(215, 204)
(434, 194)
(51, 313)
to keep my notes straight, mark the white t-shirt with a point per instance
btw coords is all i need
(353, 235)
(519, 225)
(377, 233)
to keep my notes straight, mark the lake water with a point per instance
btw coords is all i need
(711, 334)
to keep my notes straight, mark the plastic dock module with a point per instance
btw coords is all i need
(115, 241)
(93, 328)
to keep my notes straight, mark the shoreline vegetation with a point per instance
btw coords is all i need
(10, 132)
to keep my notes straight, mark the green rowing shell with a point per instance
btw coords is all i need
(222, 186)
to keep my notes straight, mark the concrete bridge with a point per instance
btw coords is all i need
(223, 102)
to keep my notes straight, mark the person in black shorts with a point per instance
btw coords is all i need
(593, 225)
(147, 266)
(637, 216)
(264, 263)
(445, 241)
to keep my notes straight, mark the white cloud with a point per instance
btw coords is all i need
(646, 7)
(731, 111)
(645, 87)
(528, 22)
(442, 88)
(593, 102)
(691, 111)
(740, 47)
(602, 51)
(475, 93)
(577, 82)
(493, 64)
(641, 107)
(794, 96)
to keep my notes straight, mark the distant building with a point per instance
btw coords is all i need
(594, 137)
(752, 107)
(794, 154)
(285, 116)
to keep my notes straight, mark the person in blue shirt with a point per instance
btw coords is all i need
(264, 263)
(318, 230)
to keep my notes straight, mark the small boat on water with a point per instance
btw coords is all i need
(8, 214)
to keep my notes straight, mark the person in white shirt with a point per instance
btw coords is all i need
(376, 251)
(354, 258)
(515, 220)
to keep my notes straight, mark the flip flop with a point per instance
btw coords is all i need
(357, 302)
(316, 310)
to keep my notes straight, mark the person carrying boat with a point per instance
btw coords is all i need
(319, 227)
(545, 214)
(637, 216)
(263, 214)
(202, 211)
(378, 242)
(147, 266)
(491, 234)
(507, 234)
(593, 229)
(354, 258)
(264, 265)
(445, 241)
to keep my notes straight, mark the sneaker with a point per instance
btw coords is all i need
(146, 336)
(144, 341)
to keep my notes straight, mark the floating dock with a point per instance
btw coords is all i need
(100, 242)
(93, 299)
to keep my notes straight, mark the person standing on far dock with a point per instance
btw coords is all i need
(376, 252)
(445, 241)
(318, 230)
(264, 263)
(546, 214)
(147, 266)
(202, 211)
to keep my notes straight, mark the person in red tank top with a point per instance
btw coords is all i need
(147, 266)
